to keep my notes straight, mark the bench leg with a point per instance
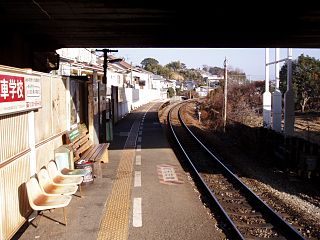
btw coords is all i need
(97, 169)
(65, 216)
(105, 156)
(80, 190)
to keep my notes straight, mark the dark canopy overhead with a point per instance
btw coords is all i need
(48, 24)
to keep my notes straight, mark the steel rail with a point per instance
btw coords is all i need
(234, 230)
(286, 229)
(277, 220)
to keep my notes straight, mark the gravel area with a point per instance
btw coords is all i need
(295, 199)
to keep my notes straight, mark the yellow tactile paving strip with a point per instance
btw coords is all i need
(115, 222)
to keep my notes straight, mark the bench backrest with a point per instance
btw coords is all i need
(74, 134)
(79, 140)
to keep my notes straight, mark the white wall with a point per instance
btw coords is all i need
(135, 98)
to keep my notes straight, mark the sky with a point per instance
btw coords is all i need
(249, 60)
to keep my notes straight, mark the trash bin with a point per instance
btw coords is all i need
(87, 165)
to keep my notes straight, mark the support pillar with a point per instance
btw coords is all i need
(93, 108)
(267, 94)
(289, 99)
(277, 98)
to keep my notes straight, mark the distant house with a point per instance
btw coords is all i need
(188, 85)
(178, 84)
(172, 83)
(202, 91)
(161, 84)
(211, 79)
(133, 77)
(158, 82)
(142, 78)
(135, 85)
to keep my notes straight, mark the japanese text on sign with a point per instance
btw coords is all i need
(19, 93)
(11, 88)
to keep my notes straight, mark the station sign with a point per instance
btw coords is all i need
(19, 93)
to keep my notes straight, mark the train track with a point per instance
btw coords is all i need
(247, 216)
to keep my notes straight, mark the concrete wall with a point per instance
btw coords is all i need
(134, 98)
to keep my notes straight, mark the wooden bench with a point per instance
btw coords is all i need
(84, 149)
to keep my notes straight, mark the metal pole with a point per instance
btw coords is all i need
(105, 62)
(277, 96)
(131, 81)
(225, 95)
(105, 66)
(267, 95)
(104, 98)
(105, 117)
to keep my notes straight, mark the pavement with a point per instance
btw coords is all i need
(143, 192)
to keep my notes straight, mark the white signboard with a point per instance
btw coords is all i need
(19, 93)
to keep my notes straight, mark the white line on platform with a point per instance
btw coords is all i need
(137, 179)
(139, 139)
(139, 148)
(138, 159)
(137, 212)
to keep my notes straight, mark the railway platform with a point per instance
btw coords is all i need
(143, 192)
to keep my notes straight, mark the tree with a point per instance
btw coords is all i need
(191, 74)
(236, 75)
(149, 64)
(205, 68)
(165, 72)
(216, 71)
(176, 66)
(171, 92)
(213, 70)
(305, 79)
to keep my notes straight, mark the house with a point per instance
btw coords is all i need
(159, 83)
(188, 85)
(202, 91)
(172, 83)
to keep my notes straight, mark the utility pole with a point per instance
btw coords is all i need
(105, 119)
(225, 95)
(131, 80)
(105, 62)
